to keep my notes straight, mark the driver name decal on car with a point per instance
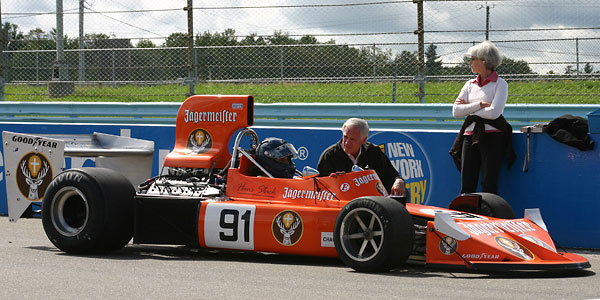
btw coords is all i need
(287, 227)
(199, 141)
(229, 226)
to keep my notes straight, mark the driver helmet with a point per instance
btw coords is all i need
(275, 155)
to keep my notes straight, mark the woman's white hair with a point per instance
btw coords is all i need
(362, 125)
(487, 52)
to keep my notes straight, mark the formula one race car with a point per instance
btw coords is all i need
(208, 198)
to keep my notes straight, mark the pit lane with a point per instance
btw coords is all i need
(32, 268)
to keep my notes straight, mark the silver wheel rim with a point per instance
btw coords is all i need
(69, 211)
(361, 234)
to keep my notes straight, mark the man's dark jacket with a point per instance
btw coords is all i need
(334, 159)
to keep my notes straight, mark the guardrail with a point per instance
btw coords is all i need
(396, 116)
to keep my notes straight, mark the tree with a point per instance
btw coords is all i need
(253, 39)
(570, 70)
(177, 39)
(407, 63)
(10, 32)
(279, 38)
(432, 65)
(308, 39)
(226, 38)
(145, 43)
(511, 66)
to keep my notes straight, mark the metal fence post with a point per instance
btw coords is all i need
(81, 76)
(420, 77)
(281, 62)
(191, 77)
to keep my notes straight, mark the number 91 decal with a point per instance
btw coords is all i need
(229, 226)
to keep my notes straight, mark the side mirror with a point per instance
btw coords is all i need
(356, 168)
(309, 172)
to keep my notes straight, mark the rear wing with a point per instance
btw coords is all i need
(32, 161)
(204, 127)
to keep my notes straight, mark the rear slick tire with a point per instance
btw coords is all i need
(89, 211)
(374, 234)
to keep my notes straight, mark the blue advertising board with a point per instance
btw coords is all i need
(560, 180)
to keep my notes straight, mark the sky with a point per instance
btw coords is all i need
(452, 25)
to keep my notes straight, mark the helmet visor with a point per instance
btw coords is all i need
(285, 149)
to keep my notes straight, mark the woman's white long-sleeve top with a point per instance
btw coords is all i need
(495, 92)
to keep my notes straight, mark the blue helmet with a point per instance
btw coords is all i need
(275, 155)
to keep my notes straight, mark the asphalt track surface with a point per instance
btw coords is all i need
(32, 268)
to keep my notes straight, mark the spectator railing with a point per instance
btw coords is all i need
(392, 116)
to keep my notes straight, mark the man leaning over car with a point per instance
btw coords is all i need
(353, 149)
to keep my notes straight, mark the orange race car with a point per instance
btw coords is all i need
(210, 198)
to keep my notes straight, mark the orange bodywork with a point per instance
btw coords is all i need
(204, 127)
(303, 209)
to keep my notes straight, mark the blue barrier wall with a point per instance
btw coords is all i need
(562, 181)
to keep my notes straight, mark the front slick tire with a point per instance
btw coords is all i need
(374, 234)
(88, 211)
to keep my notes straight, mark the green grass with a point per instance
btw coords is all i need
(538, 92)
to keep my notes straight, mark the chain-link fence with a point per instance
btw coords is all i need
(366, 51)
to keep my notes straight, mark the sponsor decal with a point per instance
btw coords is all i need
(411, 161)
(199, 141)
(481, 256)
(291, 193)
(34, 141)
(448, 245)
(223, 116)
(536, 240)
(287, 227)
(327, 239)
(237, 105)
(381, 189)
(514, 248)
(344, 187)
(454, 214)
(358, 181)
(34, 174)
(494, 228)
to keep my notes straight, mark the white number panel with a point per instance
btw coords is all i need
(229, 226)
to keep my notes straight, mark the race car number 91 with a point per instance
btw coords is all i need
(229, 226)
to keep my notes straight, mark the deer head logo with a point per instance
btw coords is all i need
(287, 228)
(34, 168)
(199, 141)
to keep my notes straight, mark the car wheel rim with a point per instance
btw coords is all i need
(361, 234)
(69, 211)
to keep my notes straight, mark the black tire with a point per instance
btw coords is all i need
(383, 241)
(490, 205)
(88, 211)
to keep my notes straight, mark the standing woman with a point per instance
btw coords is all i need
(485, 136)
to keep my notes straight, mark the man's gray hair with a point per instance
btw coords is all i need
(488, 52)
(362, 125)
